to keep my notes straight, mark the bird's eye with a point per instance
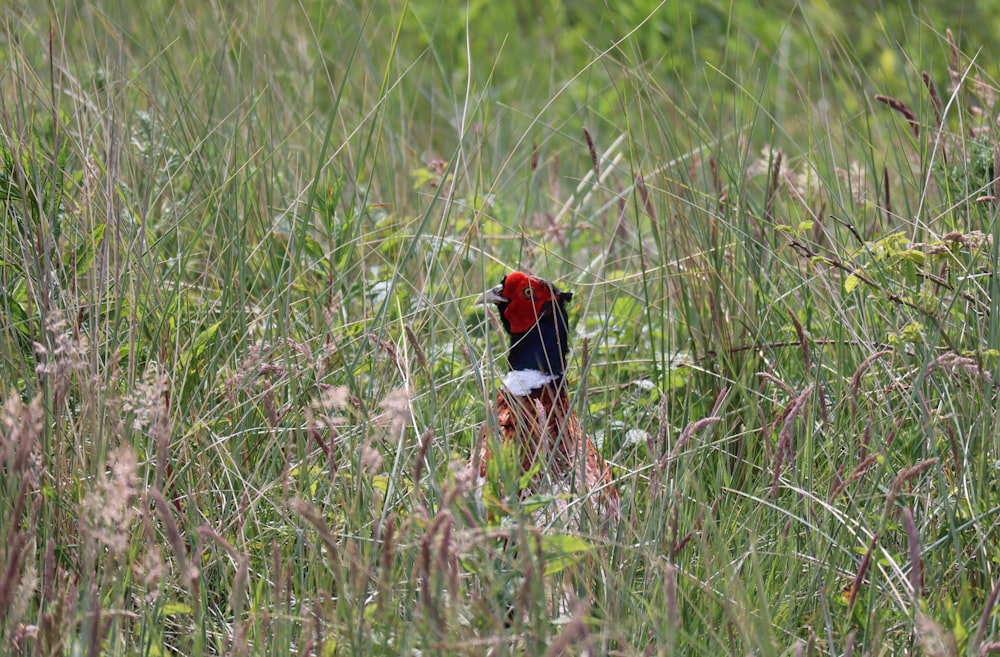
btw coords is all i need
(528, 292)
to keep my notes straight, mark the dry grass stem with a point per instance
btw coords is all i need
(862, 368)
(784, 449)
(187, 573)
(913, 541)
(859, 577)
(647, 203)
(935, 98)
(984, 618)
(595, 160)
(573, 632)
(903, 109)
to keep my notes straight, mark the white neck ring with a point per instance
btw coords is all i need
(522, 383)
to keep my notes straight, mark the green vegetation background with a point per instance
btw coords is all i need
(243, 372)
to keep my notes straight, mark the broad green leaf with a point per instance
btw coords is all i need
(176, 608)
(562, 551)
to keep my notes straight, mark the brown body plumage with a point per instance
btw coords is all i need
(532, 409)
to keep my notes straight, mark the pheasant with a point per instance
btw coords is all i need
(532, 410)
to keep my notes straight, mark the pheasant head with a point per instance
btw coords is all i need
(533, 312)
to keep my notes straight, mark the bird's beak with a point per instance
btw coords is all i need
(492, 296)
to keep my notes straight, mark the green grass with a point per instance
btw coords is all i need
(243, 369)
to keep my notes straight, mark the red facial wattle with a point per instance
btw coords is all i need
(527, 299)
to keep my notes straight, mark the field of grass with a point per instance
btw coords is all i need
(242, 366)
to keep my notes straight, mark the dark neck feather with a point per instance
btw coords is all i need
(544, 346)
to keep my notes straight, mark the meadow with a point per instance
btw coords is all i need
(242, 367)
